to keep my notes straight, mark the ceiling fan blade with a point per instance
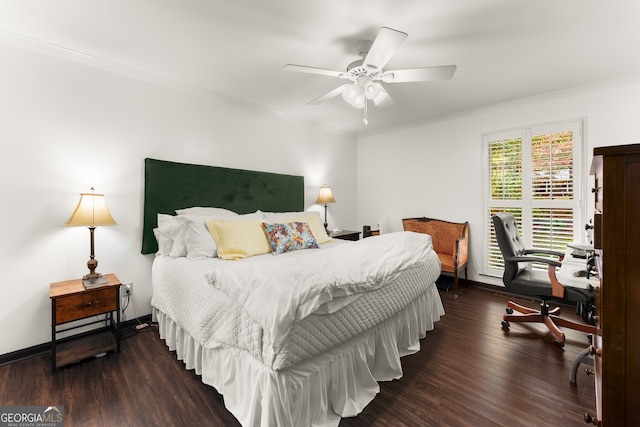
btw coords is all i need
(313, 70)
(335, 92)
(444, 72)
(383, 47)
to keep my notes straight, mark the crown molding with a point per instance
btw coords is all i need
(58, 51)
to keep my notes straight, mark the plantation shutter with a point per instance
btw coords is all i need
(531, 173)
(505, 159)
(552, 182)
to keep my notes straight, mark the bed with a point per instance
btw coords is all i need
(295, 339)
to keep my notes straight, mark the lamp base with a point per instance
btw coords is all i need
(94, 281)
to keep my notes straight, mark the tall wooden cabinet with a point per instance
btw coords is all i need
(617, 242)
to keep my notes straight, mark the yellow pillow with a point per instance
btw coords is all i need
(316, 226)
(238, 238)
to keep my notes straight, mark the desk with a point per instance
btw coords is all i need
(571, 264)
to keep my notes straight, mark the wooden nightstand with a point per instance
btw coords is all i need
(70, 301)
(345, 235)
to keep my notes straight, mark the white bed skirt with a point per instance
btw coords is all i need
(319, 391)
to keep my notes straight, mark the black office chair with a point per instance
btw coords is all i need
(520, 280)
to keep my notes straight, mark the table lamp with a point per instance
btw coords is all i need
(91, 212)
(324, 198)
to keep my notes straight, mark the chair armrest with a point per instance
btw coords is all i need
(544, 252)
(557, 288)
(461, 249)
(549, 262)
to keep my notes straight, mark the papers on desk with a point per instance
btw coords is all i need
(580, 251)
(571, 265)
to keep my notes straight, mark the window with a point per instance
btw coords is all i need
(537, 174)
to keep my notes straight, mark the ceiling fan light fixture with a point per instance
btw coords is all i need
(354, 95)
(372, 90)
(357, 93)
(381, 96)
(350, 92)
(359, 101)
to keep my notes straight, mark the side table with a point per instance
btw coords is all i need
(70, 301)
(345, 235)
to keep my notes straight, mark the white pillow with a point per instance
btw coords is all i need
(164, 242)
(171, 227)
(282, 216)
(198, 240)
(206, 211)
(164, 220)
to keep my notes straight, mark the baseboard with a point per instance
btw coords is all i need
(36, 350)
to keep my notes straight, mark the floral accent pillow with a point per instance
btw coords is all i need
(291, 236)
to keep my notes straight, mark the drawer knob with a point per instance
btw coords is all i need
(89, 304)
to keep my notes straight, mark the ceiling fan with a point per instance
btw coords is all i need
(367, 74)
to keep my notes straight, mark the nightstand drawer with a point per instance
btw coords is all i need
(74, 307)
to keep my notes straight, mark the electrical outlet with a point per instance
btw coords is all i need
(127, 288)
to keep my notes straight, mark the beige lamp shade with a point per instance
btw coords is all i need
(325, 196)
(91, 211)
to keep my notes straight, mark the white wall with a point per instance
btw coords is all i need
(65, 127)
(434, 169)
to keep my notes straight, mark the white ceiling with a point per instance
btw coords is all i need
(504, 49)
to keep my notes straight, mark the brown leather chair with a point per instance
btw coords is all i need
(450, 242)
(544, 286)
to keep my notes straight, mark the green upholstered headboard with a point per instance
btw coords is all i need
(169, 186)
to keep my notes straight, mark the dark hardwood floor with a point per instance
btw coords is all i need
(468, 373)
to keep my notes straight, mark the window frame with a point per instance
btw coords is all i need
(526, 203)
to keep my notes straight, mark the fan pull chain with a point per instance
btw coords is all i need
(365, 121)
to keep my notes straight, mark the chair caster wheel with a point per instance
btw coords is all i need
(505, 324)
(508, 310)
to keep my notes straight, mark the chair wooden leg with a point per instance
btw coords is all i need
(521, 308)
(455, 279)
(535, 316)
(554, 329)
(524, 318)
(552, 320)
(582, 327)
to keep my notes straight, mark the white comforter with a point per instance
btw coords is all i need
(282, 290)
